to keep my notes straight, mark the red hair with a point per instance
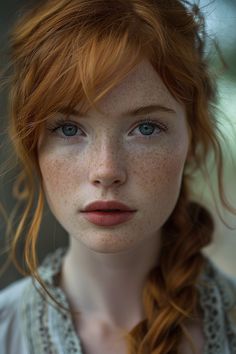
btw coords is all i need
(81, 49)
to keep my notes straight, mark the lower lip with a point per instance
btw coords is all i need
(103, 218)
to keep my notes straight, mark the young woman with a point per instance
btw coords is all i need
(111, 113)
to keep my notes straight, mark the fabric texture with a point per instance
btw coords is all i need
(32, 324)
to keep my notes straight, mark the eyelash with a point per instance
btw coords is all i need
(60, 123)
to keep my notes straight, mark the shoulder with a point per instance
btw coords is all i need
(225, 284)
(11, 335)
(218, 302)
(10, 295)
(227, 289)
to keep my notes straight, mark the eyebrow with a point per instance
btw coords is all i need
(133, 112)
(148, 109)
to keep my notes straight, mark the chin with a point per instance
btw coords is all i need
(107, 244)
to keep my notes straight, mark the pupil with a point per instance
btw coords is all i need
(147, 129)
(69, 130)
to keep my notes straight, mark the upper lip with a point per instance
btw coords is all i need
(106, 205)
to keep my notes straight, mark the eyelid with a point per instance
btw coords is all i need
(62, 122)
(152, 121)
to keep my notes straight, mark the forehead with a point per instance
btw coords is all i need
(142, 86)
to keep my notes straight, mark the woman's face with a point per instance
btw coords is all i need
(115, 156)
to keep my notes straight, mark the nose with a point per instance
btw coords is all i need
(107, 167)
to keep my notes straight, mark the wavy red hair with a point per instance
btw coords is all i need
(65, 52)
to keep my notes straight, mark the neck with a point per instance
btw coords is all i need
(108, 287)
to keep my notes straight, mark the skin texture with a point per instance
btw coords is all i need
(111, 159)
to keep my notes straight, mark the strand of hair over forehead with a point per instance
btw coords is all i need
(43, 65)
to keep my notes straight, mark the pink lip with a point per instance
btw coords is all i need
(102, 218)
(97, 213)
(106, 205)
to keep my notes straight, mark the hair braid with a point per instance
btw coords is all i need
(170, 295)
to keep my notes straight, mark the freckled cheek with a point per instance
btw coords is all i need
(58, 176)
(162, 170)
(160, 185)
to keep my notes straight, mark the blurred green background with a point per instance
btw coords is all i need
(221, 25)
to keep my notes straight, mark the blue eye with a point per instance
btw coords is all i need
(69, 129)
(148, 127)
